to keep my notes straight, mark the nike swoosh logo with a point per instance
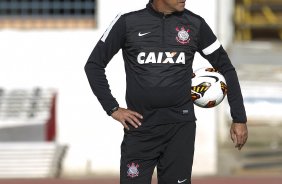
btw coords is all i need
(214, 77)
(181, 181)
(143, 34)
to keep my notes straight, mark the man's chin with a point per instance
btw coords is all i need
(180, 9)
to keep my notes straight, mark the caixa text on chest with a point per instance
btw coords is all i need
(161, 57)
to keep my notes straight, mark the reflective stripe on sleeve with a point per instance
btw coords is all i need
(106, 34)
(213, 47)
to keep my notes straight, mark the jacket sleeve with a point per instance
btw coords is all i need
(109, 44)
(210, 48)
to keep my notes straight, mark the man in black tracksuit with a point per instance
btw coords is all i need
(158, 45)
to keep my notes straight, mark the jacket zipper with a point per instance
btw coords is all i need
(163, 30)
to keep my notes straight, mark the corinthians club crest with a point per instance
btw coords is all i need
(183, 36)
(132, 170)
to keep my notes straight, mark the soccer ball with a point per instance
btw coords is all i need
(208, 87)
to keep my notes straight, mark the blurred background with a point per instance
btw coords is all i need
(52, 126)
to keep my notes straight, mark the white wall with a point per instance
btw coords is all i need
(56, 59)
(225, 23)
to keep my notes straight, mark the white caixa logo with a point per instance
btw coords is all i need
(161, 57)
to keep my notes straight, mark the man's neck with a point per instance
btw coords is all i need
(159, 7)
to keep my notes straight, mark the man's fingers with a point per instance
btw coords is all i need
(238, 140)
(136, 121)
(241, 140)
(126, 117)
(244, 140)
(135, 114)
(233, 136)
(240, 146)
(132, 118)
(124, 125)
(129, 120)
(243, 143)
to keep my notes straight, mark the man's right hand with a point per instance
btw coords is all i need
(125, 116)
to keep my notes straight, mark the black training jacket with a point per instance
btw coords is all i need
(158, 52)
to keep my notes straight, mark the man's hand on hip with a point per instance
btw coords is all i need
(125, 116)
(239, 134)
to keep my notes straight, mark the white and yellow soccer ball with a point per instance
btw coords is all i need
(208, 87)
